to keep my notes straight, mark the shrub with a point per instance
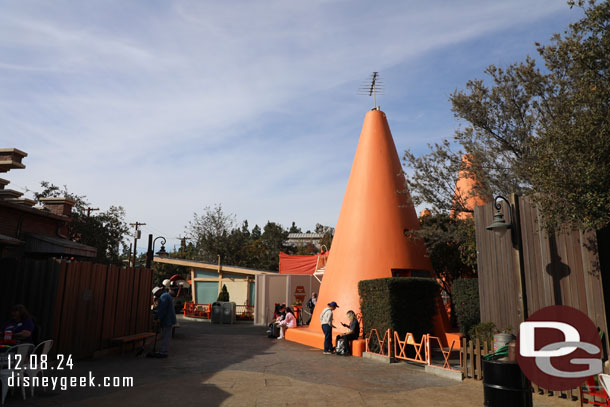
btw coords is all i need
(484, 332)
(224, 294)
(465, 293)
(402, 304)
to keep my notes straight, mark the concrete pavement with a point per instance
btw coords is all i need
(237, 365)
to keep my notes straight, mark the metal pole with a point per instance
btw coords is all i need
(149, 253)
(135, 240)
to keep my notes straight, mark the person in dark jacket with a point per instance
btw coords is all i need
(166, 314)
(352, 333)
(21, 326)
(311, 304)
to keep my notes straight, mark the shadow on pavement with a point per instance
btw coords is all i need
(198, 351)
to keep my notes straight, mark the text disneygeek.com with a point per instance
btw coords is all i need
(21, 367)
(63, 383)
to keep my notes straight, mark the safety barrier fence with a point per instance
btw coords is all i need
(193, 310)
(446, 352)
(244, 312)
(379, 346)
(471, 361)
(420, 350)
(411, 350)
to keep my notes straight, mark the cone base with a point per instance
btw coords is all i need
(306, 336)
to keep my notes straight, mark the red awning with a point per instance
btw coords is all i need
(298, 264)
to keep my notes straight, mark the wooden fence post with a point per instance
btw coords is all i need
(478, 361)
(471, 353)
(464, 353)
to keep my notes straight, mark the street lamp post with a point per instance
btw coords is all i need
(151, 249)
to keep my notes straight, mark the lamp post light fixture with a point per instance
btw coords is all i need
(499, 224)
(161, 253)
(151, 249)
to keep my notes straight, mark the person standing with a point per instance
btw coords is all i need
(326, 319)
(166, 314)
(311, 304)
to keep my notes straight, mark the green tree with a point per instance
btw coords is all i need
(294, 228)
(256, 233)
(306, 249)
(452, 249)
(326, 240)
(211, 233)
(273, 241)
(238, 244)
(106, 231)
(541, 132)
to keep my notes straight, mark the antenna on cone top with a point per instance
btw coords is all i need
(372, 87)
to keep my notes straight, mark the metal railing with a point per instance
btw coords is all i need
(420, 350)
(375, 340)
(411, 350)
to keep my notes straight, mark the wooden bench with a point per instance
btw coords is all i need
(123, 340)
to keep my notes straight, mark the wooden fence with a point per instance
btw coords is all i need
(80, 305)
(546, 269)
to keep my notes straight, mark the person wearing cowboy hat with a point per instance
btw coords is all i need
(326, 319)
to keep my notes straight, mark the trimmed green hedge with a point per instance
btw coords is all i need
(465, 292)
(402, 304)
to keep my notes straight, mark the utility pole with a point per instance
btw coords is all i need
(136, 236)
(89, 210)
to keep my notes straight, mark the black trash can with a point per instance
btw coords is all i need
(228, 312)
(504, 385)
(216, 313)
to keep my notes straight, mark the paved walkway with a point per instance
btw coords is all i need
(237, 365)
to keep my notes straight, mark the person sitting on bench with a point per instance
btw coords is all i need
(288, 322)
(352, 333)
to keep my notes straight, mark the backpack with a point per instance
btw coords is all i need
(310, 305)
(341, 349)
(273, 331)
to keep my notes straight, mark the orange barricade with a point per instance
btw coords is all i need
(446, 352)
(244, 312)
(387, 338)
(192, 310)
(421, 348)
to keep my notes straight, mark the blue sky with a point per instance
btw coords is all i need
(165, 107)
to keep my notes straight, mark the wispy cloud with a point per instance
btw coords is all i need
(166, 107)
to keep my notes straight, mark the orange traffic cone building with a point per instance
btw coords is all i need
(371, 238)
(466, 191)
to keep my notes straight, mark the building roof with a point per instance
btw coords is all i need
(305, 235)
(41, 244)
(10, 241)
(200, 265)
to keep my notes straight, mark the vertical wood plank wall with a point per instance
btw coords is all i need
(80, 305)
(560, 268)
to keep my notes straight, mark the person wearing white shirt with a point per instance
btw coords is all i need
(326, 319)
